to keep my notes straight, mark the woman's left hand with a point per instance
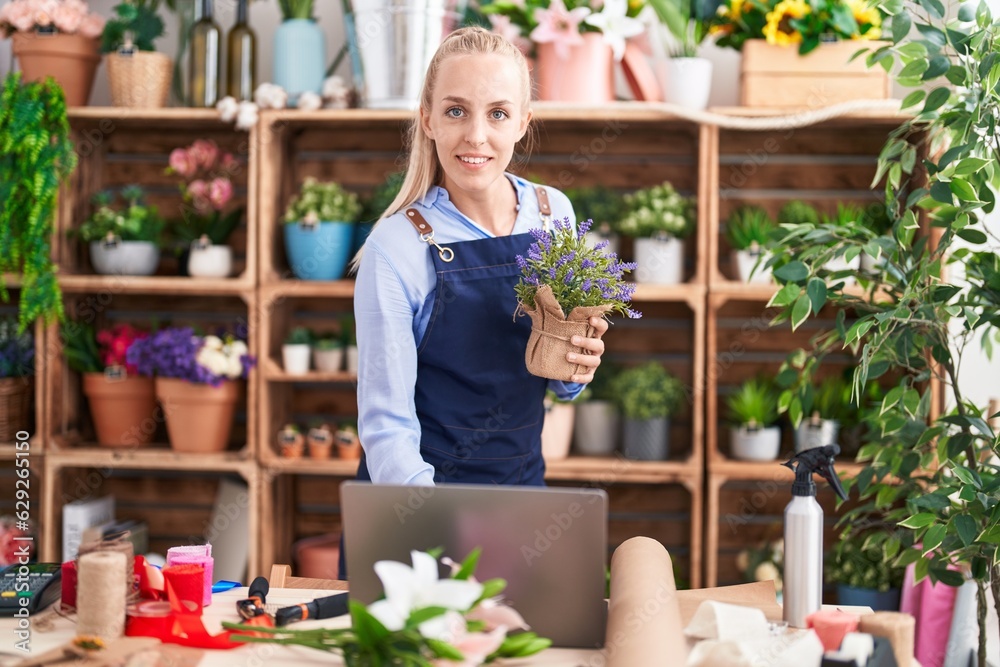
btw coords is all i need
(593, 348)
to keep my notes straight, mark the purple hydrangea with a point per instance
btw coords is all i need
(17, 351)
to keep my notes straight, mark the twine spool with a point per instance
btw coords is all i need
(895, 626)
(188, 583)
(118, 543)
(101, 593)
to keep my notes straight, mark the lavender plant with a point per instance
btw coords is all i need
(577, 274)
(17, 351)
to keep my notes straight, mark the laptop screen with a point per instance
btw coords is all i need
(548, 544)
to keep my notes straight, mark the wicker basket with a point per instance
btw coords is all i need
(140, 80)
(15, 406)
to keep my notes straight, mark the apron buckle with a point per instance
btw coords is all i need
(446, 254)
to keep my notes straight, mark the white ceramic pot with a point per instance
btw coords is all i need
(124, 258)
(211, 261)
(352, 358)
(328, 360)
(839, 264)
(762, 444)
(295, 358)
(809, 435)
(596, 431)
(557, 431)
(660, 261)
(746, 261)
(688, 82)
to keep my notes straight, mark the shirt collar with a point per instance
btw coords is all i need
(438, 194)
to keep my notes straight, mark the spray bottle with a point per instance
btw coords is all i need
(803, 575)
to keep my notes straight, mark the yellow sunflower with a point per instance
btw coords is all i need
(778, 29)
(866, 13)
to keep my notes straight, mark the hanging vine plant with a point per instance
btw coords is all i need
(36, 155)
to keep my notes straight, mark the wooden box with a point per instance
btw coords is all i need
(777, 76)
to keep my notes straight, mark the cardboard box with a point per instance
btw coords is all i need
(777, 76)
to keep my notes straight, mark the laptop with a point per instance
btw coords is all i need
(549, 544)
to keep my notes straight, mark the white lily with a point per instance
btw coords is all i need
(615, 25)
(411, 588)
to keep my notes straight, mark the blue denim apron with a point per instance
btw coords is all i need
(479, 408)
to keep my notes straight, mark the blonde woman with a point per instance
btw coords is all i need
(443, 393)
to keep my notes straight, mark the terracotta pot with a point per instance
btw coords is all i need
(348, 445)
(586, 75)
(69, 59)
(124, 409)
(199, 416)
(291, 443)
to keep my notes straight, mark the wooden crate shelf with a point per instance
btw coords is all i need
(80, 284)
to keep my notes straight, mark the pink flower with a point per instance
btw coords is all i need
(182, 163)
(198, 191)
(68, 17)
(229, 163)
(559, 26)
(503, 27)
(496, 615)
(474, 646)
(92, 26)
(20, 15)
(44, 11)
(220, 192)
(204, 153)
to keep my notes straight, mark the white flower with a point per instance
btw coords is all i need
(246, 117)
(270, 96)
(234, 367)
(410, 588)
(615, 25)
(309, 101)
(227, 108)
(239, 348)
(212, 342)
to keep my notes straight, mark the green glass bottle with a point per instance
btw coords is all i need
(204, 59)
(242, 57)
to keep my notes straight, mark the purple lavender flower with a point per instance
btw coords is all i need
(583, 228)
(566, 259)
(601, 245)
(586, 285)
(521, 263)
(587, 263)
(552, 273)
(568, 280)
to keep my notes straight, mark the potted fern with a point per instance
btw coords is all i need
(648, 396)
(753, 409)
(659, 219)
(123, 240)
(319, 229)
(828, 407)
(750, 232)
(296, 350)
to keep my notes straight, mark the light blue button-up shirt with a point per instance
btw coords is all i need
(393, 300)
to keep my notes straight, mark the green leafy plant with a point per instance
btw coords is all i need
(382, 196)
(846, 214)
(931, 476)
(602, 206)
(649, 391)
(323, 202)
(36, 155)
(749, 225)
(658, 211)
(328, 343)
(296, 9)
(858, 560)
(137, 20)
(754, 403)
(134, 221)
(688, 21)
(80, 347)
(797, 212)
(299, 336)
(348, 333)
(602, 387)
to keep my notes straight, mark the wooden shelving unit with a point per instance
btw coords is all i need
(710, 330)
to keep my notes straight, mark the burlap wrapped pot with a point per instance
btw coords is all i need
(551, 333)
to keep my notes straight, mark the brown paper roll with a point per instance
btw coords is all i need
(895, 626)
(644, 617)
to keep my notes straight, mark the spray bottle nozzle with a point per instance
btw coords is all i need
(817, 460)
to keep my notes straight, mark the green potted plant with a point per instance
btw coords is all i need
(828, 407)
(557, 428)
(603, 207)
(750, 232)
(122, 403)
(753, 411)
(296, 350)
(856, 564)
(348, 442)
(17, 378)
(658, 218)
(688, 78)
(122, 240)
(320, 440)
(876, 217)
(375, 205)
(319, 229)
(328, 354)
(32, 115)
(930, 475)
(139, 76)
(840, 266)
(291, 441)
(648, 396)
(597, 418)
(798, 212)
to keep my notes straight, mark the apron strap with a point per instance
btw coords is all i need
(427, 234)
(544, 210)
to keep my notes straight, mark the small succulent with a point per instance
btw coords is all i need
(796, 213)
(755, 403)
(299, 336)
(749, 225)
(328, 343)
(846, 214)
